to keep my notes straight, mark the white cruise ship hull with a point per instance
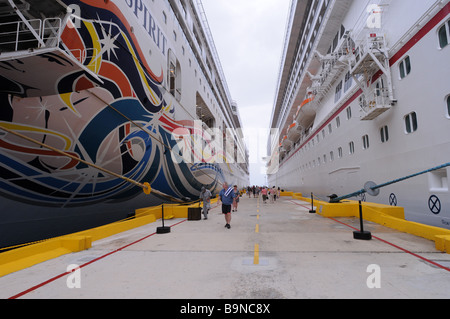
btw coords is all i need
(353, 138)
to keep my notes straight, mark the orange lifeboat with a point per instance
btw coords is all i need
(306, 114)
(287, 143)
(294, 132)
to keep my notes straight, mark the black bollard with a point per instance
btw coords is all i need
(361, 235)
(312, 211)
(163, 229)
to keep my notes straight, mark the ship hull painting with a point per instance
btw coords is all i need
(112, 112)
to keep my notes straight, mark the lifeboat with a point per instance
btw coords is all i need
(306, 114)
(287, 143)
(294, 132)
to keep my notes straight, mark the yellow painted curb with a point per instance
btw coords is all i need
(24, 257)
(443, 243)
(385, 215)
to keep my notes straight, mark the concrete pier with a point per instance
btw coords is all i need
(272, 251)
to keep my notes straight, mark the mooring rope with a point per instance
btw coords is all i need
(363, 191)
(145, 186)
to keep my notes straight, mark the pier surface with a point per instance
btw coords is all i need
(272, 251)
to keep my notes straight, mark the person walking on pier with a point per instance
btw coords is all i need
(236, 198)
(205, 196)
(264, 194)
(226, 196)
(272, 195)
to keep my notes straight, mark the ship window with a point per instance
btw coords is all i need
(340, 152)
(338, 94)
(331, 156)
(335, 42)
(338, 122)
(405, 67)
(444, 35)
(342, 31)
(174, 76)
(366, 144)
(384, 132)
(349, 113)
(352, 147)
(348, 81)
(411, 123)
(448, 106)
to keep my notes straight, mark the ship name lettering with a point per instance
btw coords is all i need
(142, 13)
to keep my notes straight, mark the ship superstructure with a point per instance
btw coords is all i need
(109, 106)
(363, 96)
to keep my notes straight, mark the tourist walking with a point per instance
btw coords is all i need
(236, 198)
(272, 193)
(264, 194)
(226, 196)
(205, 196)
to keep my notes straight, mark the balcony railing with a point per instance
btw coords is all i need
(32, 34)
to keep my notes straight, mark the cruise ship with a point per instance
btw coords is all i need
(109, 106)
(363, 100)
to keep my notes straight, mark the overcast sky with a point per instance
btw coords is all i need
(249, 36)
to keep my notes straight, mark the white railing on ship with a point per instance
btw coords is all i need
(47, 31)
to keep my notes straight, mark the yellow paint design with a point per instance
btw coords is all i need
(155, 100)
(94, 65)
(26, 128)
(67, 100)
(257, 228)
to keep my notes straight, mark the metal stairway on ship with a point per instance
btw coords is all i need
(366, 61)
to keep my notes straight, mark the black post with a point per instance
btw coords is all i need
(361, 235)
(312, 211)
(163, 229)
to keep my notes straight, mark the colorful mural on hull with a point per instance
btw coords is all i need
(112, 113)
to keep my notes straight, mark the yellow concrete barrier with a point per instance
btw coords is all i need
(443, 243)
(28, 256)
(389, 216)
(286, 194)
(24, 257)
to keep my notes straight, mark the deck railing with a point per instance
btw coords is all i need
(32, 34)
